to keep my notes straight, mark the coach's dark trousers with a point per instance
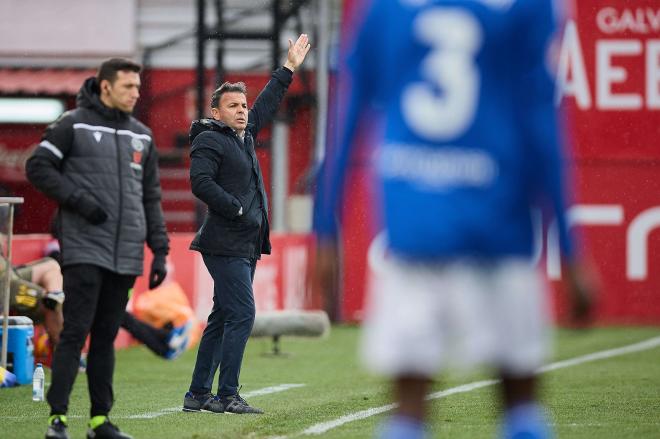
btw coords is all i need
(229, 324)
(95, 303)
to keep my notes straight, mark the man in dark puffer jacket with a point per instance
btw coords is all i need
(101, 165)
(225, 174)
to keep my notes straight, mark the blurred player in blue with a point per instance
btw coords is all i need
(469, 146)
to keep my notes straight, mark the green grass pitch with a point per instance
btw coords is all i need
(613, 397)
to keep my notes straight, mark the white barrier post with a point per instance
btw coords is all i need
(9, 201)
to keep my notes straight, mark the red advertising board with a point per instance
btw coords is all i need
(608, 80)
(608, 77)
(279, 281)
(608, 84)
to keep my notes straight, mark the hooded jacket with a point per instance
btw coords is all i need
(225, 174)
(98, 157)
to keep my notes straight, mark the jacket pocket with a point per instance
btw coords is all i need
(73, 222)
(221, 236)
(247, 217)
(228, 209)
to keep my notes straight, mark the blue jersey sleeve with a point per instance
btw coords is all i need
(537, 112)
(356, 90)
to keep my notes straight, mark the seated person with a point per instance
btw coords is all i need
(36, 292)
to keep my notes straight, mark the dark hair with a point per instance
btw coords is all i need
(109, 68)
(227, 87)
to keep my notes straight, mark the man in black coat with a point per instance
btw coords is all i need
(101, 165)
(225, 174)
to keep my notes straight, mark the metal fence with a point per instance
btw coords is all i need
(8, 203)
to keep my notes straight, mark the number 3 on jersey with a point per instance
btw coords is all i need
(443, 106)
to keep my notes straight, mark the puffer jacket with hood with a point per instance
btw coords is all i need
(225, 174)
(97, 157)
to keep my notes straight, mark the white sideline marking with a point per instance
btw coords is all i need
(272, 389)
(329, 425)
(325, 426)
(258, 392)
(151, 415)
(636, 347)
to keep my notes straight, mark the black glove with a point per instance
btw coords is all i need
(87, 206)
(158, 271)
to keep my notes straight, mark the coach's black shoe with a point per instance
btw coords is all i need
(236, 404)
(57, 428)
(206, 402)
(107, 430)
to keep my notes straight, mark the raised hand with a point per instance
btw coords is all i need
(297, 52)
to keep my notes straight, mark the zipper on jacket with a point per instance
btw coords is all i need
(121, 199)
(254, 161)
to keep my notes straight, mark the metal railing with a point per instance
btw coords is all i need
(9, 202)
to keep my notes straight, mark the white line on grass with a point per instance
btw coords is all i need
(323, 427)
(258, 392)
(151, 415)
(272, 389)
(636, 347)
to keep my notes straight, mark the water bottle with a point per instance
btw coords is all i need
(38, 378)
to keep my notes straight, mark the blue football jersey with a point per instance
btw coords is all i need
(470, 141)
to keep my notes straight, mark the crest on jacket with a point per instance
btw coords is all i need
(138, 147)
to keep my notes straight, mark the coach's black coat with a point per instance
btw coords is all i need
(225, 174)
(95, 156)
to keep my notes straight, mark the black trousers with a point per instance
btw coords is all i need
(153, 338)
(95, 304)
(229, 324)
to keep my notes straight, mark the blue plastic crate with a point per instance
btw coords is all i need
(20, 349)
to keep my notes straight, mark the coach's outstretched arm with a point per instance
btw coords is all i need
(266, 104)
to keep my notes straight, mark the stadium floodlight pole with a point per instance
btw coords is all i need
(280, 172)
(220, 42)
(10, 202)
(323, 18)
(200, 82)
(201, 47)
(280, 138)
(276, 32)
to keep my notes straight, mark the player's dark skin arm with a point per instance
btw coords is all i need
(323, 275)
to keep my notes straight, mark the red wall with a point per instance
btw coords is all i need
(167, 106)
(616, 192)
(615, 127)
(279, 281)
(16, 144)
